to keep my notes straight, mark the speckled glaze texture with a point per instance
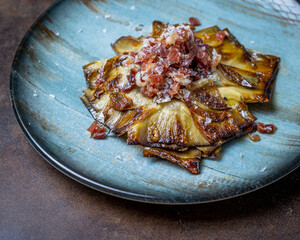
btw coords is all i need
(47, 81)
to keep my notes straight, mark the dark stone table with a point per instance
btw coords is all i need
(39, 202)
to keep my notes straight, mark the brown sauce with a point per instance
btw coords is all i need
(254, 137)
(194, 21)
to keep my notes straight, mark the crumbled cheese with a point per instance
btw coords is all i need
(162, 98)
(255, 56)
(244, 114)
(207, 121)
(182, 79)
(216, 58)
(142, 79)
(171, 37)
(139, 81)
(171, 34)
(186, 94)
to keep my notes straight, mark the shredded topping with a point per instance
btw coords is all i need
(97, 131)
(170, 62)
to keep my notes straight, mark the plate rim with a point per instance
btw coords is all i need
(84, 180)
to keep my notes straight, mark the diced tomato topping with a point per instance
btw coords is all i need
(99, 135)
(92, 127)
(156, 79)
(97, 132)
(167, 63)
(194, 21)
(174, 54)
(131, 81)
(266, 128)
(175, 87)
(220, 36)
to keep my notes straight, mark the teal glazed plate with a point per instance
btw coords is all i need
(47, 81)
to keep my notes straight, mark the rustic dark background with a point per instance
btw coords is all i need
(39, 202)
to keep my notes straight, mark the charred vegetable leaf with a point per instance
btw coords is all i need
(120, 102)
(209, 36)
(210, 151)
(207, 94)
(170, 127)
(158, 28)
(127, 44)
(121, 122)
(189, 159)
(91, 72)
(234, 74)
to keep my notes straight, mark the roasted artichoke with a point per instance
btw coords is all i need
(179, 94)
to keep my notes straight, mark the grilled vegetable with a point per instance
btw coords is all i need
(206, 88)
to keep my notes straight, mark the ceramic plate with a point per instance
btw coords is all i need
(47, 81)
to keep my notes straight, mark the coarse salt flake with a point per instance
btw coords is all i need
(263, 169)
(207, 121)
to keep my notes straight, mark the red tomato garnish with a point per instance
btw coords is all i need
(99, 135)
(194, 21)
(97, 132)
(266, 128)
(220, 36)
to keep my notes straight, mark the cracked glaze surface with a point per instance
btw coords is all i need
(47, 80)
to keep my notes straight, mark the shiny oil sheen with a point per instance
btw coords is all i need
(47, 81)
